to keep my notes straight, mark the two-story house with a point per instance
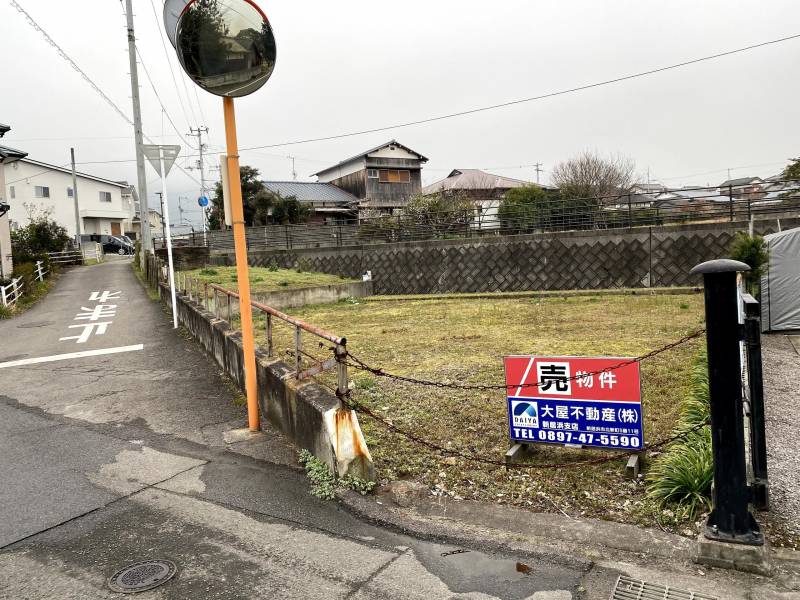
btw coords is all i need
(383, 178)
(34, 188)
(7, 156)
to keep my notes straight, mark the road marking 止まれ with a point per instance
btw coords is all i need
(43, 359)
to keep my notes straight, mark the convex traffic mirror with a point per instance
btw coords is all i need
(226, 46)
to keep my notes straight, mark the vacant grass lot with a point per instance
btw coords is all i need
(463, 340)
(263, 279)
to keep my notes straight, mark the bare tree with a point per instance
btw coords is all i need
(590, 175)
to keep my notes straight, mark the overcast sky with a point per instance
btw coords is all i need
(347, 66)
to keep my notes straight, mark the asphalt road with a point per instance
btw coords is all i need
(111, 458)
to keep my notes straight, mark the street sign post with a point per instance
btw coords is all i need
(161, 158)
(227, 48)
(575, 401)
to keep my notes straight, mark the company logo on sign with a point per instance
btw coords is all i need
(524, 413)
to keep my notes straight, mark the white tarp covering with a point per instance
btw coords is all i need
(780, 285)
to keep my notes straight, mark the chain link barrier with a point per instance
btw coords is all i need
(346, 398)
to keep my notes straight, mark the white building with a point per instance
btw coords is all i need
(7, 156)
(34, 188)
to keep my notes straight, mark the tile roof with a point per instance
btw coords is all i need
(473, 179)
(370, 151)
(312, 192)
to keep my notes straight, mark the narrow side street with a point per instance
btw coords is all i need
(109, 459)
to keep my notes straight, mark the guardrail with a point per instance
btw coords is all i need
(198, 291)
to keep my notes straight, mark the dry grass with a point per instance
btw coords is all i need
(265, 280)
(463, 340)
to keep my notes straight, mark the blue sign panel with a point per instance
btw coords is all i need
(202, 201)
(581, 401)
(615, 425)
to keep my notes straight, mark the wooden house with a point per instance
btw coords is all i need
(384, 178)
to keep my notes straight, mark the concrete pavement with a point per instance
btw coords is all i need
(111, 458)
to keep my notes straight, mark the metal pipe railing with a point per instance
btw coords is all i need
(300, 326)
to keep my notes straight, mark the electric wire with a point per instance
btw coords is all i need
(172, 72)
(526, 100)
(69, 61)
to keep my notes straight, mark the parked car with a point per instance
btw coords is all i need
(114, 245)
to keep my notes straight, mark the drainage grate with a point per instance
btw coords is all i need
(141, 576)
(636, 589)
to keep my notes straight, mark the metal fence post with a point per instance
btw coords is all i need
(269, 334)
(298, 340)
(341, 371)
(3, 295)
(730, 519)
(758, 438)
(730, 204)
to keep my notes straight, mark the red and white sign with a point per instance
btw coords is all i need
(572, 378)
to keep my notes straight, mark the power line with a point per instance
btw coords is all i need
(172, 72)
(71, 62)
(88, 79)
(525, 100)
(152, 85)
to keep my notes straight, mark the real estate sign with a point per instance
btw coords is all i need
(574, 400)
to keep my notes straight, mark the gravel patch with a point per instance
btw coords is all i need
(781, 361)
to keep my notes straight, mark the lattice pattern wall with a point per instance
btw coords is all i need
(645, 258)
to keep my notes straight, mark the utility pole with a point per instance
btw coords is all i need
(147, 241)
(161, 198)
(538, 167)
(200, 165)
(294, 172)
(75, 199)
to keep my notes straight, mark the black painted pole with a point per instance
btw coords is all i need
(730, 519)
(758, 439)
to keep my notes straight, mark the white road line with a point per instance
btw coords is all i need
(68, 355)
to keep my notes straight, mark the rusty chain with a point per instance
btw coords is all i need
(347, 399)
(359, 364)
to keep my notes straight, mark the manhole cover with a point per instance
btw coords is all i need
(628, 588)
(141, 576)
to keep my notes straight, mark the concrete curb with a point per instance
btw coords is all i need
(547, 536)
(668, 291)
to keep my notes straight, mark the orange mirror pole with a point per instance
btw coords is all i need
(245, 310)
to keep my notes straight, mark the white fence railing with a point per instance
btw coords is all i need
(10, 293)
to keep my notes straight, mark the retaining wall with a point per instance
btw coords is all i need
(306, 412)
(622, 258)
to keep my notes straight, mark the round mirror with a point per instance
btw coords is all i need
(226, 46)
(172, 12)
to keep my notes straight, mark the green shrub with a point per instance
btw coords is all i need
(208, 271)
(751, 250)
(5, 312)
(683, 474)
(272, 266)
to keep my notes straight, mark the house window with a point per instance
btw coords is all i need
(372, 173)
(105, 196)
(41, 191)
(394, 176)
(12, 192)
(69, 193)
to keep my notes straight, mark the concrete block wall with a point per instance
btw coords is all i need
(630, 258)
(303, 411)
